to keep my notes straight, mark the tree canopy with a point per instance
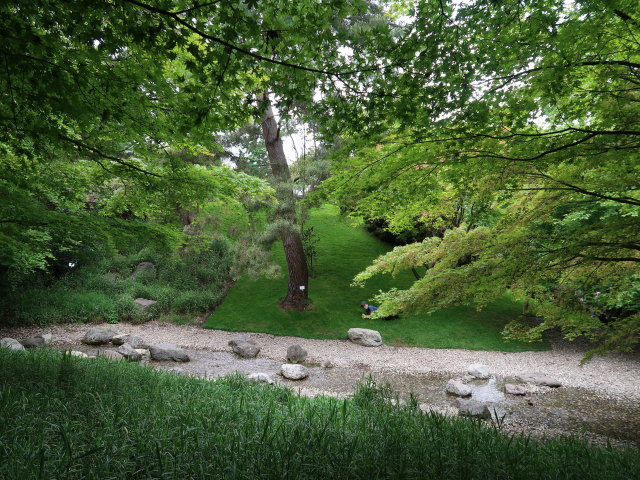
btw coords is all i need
(509, 129)
(515, 127)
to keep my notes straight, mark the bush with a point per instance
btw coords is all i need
(105, 290)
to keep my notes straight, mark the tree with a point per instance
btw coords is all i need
(127, 85)
(533, 111)
(297, 290)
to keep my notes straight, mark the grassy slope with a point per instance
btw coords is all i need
(344, 250)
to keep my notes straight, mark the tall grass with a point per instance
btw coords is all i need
(70, 418)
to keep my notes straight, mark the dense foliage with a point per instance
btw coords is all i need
(508, 132)
(513, 128)
(70, 418)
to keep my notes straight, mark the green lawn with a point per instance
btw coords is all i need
(345, 249)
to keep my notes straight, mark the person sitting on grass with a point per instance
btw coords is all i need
(368, 309)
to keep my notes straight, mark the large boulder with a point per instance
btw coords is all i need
(473, 408)
(11, 344)
(296, 354)
(458, 388)
(168, 353)
(479, 371)
(540, 379)
(294, 371)
(135, 342)
(245, 347)
(260, 377)
(110, 354)
(145, 269)
(98, 336)
(36, 342)
(128, 352)
(365, 337)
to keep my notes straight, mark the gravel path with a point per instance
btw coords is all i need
(615, 376)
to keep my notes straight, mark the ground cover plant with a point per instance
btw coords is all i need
(64, 417)
(344, 249)
(184, 285)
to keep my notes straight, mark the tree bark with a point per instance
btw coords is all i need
(297, 298)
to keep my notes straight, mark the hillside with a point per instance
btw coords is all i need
(344, 249)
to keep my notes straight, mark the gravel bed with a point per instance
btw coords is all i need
(614, 376)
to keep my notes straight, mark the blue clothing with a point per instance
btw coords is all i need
(370, 309)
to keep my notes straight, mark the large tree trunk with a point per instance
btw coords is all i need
(298, 291)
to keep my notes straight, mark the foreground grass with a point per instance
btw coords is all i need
(344, 250)
(70, 418)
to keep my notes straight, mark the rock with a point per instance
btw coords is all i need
(261, 377)
(47, 337)
(98, 336)
(145, 269)
(245, 347)
(473, 408)
(294, 371)
(479, 371)
(365, 337)
(75, 353)
(128, 352)
(110, 354)
(328, 364)
(135, 342)
(143, 351)
(168, 353)
(144, 303)
(11, 344)
(296, 354)
(458, 388)
(34, 342)
(513, 389)
(540, 379)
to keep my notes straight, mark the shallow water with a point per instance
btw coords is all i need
(552, 412)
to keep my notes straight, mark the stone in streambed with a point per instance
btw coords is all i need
(98, 336)
(458, 388)
(135, 342)
(540, 379)
(11, 344)
(513, 389)
(478, 370)
(472, 408)
(128, 352)
(168, 353)
(294, 371)
(296, 354)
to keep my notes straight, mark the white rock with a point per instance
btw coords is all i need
(513, 389)
(479, 371)
(540, 379)
(294, 371)
(365, 337)
(11, 344)
(261, 377)
(75, 353)
(458, 388)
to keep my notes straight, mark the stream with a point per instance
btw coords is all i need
(545, 412)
